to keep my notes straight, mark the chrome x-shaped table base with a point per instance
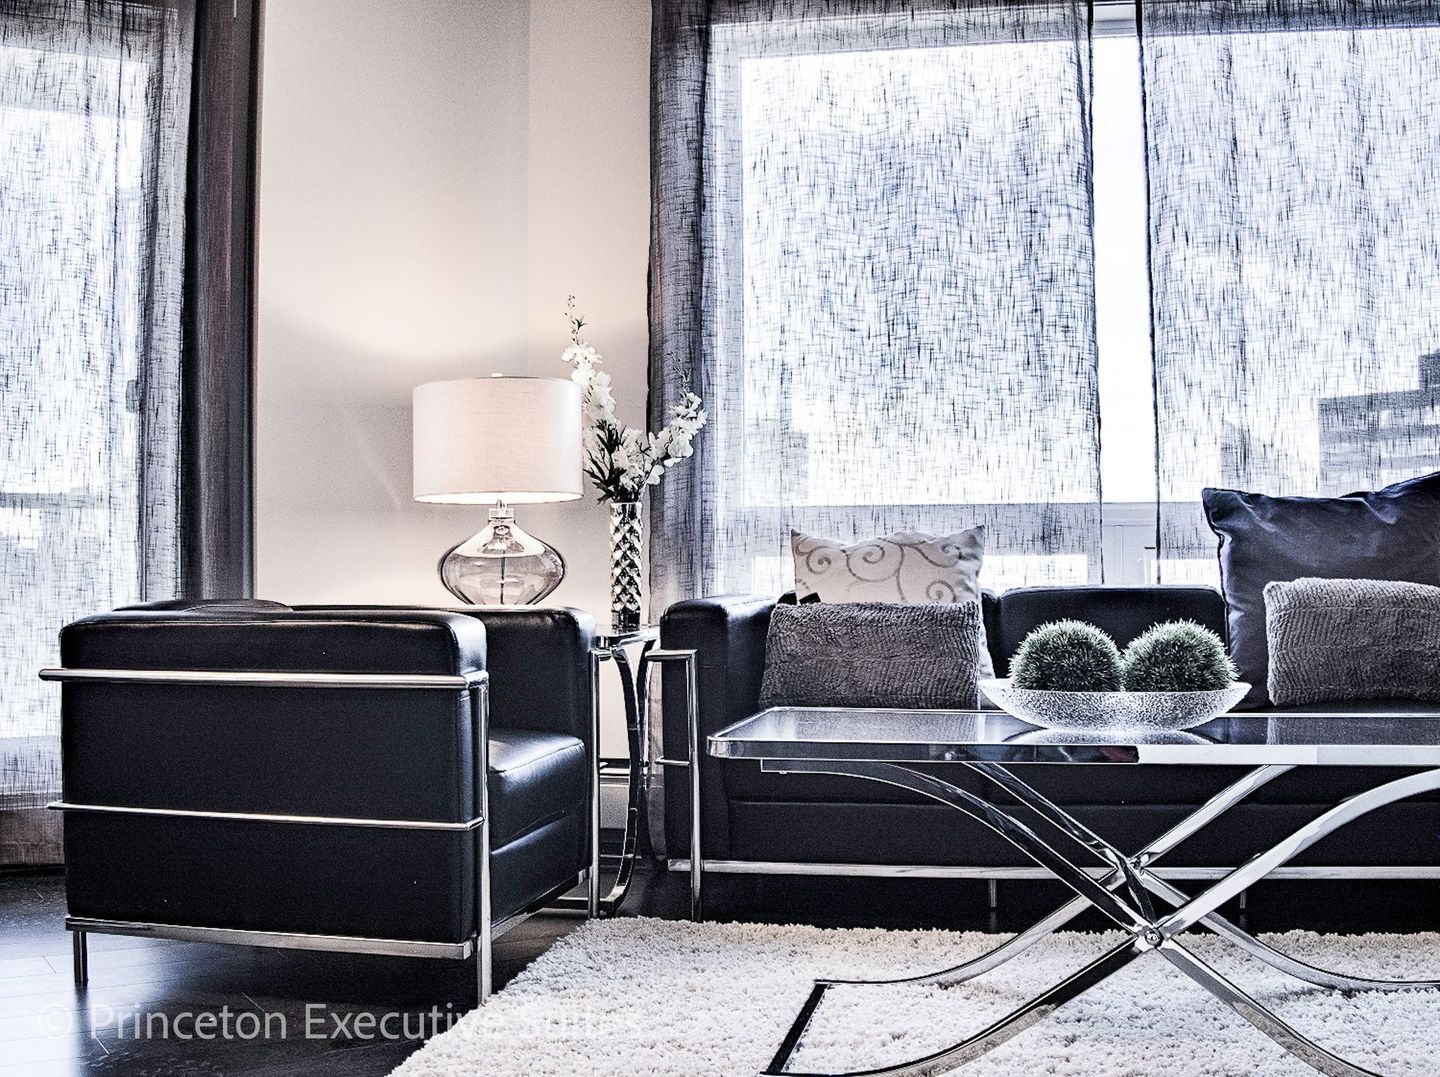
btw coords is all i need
(1123, 894)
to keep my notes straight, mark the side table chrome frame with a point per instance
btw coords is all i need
(1122, 892)
(687, 661)
(611, 647)
(477, 684)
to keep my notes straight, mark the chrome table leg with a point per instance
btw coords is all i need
(1258, 1015)
(1278, 959)
(984, 1041)
(1148, 931)
(1212, 809)
(1263, 864)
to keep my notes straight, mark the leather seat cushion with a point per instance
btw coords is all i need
(535, 778)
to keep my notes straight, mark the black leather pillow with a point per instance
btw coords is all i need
(872, 654)
(1389, 534)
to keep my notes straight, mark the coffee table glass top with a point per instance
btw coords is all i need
(1314, 738)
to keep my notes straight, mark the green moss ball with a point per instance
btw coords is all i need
(1067, 656)
(1178, 656)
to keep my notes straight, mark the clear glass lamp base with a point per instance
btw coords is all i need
(502, 565)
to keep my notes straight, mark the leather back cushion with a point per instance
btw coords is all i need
(1123, 612)
(1390, 534)
(402, 753)
(276, 638)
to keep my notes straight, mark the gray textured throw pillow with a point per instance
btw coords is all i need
(909, 567)
(864, 654)
(1352, 639)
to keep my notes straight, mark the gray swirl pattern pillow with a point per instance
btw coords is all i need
(864, 654)
(1335, 640)
(908, 567)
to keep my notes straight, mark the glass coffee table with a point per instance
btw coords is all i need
(887, 745)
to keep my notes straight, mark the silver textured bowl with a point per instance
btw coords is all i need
(1113, 710)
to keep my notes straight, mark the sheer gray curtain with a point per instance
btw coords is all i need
(872, 256)
(1295, 253)
(94, 107)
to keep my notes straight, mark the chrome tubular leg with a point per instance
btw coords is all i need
(592, 890)
(1008, 1027)
(1208, 812)
(1011, 947)
(484, 914)
(1072, 828)
(1279, 960)
(696, 749)
(1262, 1018)
(1263, 864)
(1042, 929)
(1012, 830)
(1148, 932)
(80, 952)
(992, 894)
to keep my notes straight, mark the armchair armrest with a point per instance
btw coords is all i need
(538, 659)
(539, 663)
(728, 635)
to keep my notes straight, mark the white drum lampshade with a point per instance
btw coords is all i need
(479, 441)
(497, 441)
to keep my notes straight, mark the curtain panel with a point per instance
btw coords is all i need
(94, 106)
(872, 256)
(1294, 250)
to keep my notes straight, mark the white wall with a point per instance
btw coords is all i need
(435, 177)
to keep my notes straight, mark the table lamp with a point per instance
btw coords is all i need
(498, 441)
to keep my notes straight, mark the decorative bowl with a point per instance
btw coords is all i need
(1112, 710)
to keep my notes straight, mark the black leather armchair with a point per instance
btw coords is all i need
(247, 772)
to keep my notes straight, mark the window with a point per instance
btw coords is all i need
(73, 178)
(100, 267)
(903, 208)
(891, 287)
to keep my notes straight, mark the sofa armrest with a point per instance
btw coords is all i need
(728, 635)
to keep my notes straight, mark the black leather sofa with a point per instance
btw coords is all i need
(756, 822)
(215, 789)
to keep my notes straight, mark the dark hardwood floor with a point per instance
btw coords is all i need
(47, 1027)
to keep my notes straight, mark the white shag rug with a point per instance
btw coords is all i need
(634, 996)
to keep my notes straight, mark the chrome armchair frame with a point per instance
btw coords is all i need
(477, 684)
